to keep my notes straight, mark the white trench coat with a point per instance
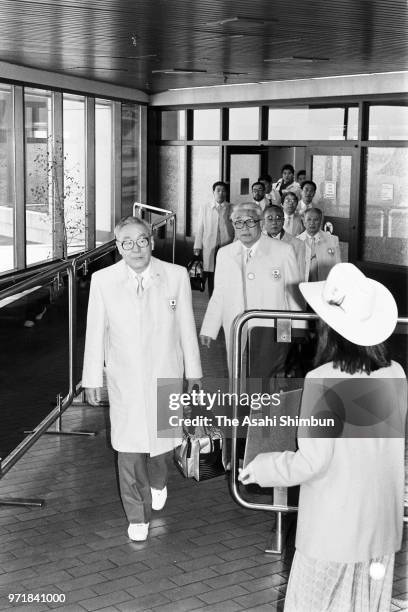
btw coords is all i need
(141, 340)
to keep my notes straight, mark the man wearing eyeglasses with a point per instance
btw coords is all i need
(273, 222)
(141, 327)
(252, 272)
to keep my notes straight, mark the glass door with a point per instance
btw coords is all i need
(334, 172)
(244, 166)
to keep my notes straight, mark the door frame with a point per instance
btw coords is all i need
(244, 150)
(345, 228)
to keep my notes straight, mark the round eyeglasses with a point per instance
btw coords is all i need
(248, 222)
(128, 245)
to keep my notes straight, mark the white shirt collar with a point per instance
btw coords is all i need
(314, 238)
(252, 248)
(145, 274)
(217, 205)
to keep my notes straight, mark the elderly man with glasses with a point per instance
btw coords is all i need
(253, 272)
(141, 327)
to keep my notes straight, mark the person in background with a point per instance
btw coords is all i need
(273, 220)
(308, 193)
(214, 230)
(293, 221)
(287, 184)
(253, 272)
(141, 326)
(270, 194)
(301, 176)
(350, 513)
(322, 248)
(259, 196)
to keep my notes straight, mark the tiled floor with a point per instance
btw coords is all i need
(203, 551)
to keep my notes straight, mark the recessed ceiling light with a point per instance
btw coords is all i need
(242, 19)
(178, 71)
(297, 59)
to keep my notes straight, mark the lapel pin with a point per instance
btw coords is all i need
(330, 251)
(173, 304)
(276, 274)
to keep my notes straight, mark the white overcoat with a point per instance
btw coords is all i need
(269, 281)
(140, 340)
(327, 253)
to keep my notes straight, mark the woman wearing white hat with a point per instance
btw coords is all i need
(351, 475)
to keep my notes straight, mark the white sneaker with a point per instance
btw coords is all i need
(159, 497)
(138, 531)
(40, 315)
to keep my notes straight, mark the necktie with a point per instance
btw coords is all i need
(248, 255)
(314, 267)
(218, 239)
(139, 285)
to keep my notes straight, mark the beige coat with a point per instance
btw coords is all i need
(299, 248)
(327, 253)
(206, 237)
(141, 340)
(270, 281)
(351, 494)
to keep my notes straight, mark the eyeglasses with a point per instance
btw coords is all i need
(128, 245)
(270, 218)
(258, 189)
(248, 222)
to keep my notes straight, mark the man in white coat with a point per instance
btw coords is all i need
(253, 272)
(322, 248)
(273, 221)
(214, 230)
(141, 327)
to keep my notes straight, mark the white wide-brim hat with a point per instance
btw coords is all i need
(359, 308)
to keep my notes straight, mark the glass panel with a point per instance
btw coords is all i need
(207, 124)
(244, 171)
(332, 175)
(41, 165)
(205, 164)
(311, 123)
(388, 123)
(7, 202)
(244, 123)
(74, 172)
(352, 123)
(172, 172)
(173, 125)
(130, 156)
(103, 171)
(385, 219)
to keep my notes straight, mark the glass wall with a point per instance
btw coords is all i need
(130, 156)
(244, 123)
(312, 123)
(42, 163)
(385, 217)
(103, 171)
(74, 173)
(205, 170)
(173, 125)
(7, 208)
(171, 180)
(388, 122)
(207, 124)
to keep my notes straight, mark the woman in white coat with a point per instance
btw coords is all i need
(352, 477)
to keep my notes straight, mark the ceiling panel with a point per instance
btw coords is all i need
(206, 42)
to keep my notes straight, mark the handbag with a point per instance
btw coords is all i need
(196, 274)
(200, 454)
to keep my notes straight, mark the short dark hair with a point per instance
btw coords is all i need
(291, 193)
(347, 356)
(265, 177)
(273, 207)
(288, 167)
(219, 184)
(257, 183)
(300, 172)
(312, 183)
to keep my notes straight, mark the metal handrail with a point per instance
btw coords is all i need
(71, 268)
(236, 372)
(169, 215)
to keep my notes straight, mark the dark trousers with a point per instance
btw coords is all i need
(137, 473)
(210, 282)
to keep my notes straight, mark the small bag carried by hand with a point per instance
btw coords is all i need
(196, 274)
(200, 454)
